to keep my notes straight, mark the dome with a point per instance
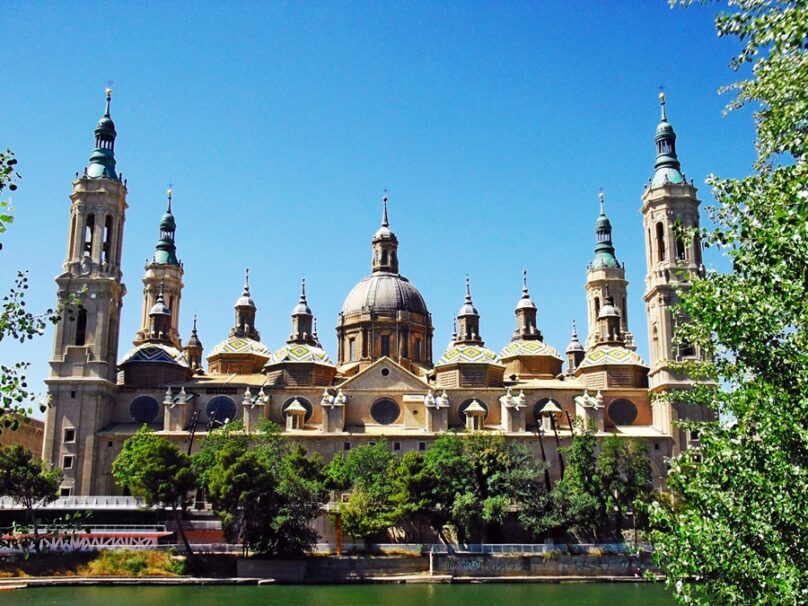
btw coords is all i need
(667, 174)
(241, 345)
(245, 300)
(603, 223)
(300, 352)
(384, 233)
(664, 130)
(160, 308)
(154, 352)
(105, 126)
(517, 349)
(468, 354)
(611, 356)
(168, 223)
(384, 292)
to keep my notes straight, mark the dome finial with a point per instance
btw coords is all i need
(454, 329)
(170, 194)
(468, 289)
(193, 330)
(246, 283)
(385, 222)
(109, 97)
(303, 289)
(663, 115)
(602, 198)
(574, 330)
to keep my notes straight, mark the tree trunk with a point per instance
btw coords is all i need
(181, 530)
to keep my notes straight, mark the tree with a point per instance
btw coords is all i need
(16, 321)
(27, 479)
(369, 473)
(624, 478)
(153, 468)
(265, 492)
(738, 532)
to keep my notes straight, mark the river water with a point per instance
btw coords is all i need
(590, 594)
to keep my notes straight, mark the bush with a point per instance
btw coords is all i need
(125, 562)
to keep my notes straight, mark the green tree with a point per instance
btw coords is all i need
(29, 480)
(738, 532)
(624, 478)
(153, 468)
(16, 321)
(265, 492)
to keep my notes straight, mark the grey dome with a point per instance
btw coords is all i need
(384, 292)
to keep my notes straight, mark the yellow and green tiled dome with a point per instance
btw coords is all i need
(468, 354)
(517, 349)
(241, 345)
(154, 352)
(301, 352)
(610, 355)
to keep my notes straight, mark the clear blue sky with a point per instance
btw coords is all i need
(492, 125)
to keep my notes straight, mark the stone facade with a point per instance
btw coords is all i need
(384, 382)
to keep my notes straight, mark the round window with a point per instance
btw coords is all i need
(461, 410)
(221, 410)
(303, 402)
(385, 411)
(622, 412)
(144, 409)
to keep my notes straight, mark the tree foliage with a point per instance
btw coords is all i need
(265, 491)
(30, 481)
(153, 468)
(738, 532)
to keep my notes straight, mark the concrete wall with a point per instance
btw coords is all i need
(330, 569)
(490, 565)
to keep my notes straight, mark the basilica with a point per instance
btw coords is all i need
(385, 379)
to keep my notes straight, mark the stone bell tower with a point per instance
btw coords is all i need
(669, 206)
(81, 385)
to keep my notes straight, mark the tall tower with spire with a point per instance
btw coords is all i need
(606, 276)
(163, 271)
(82, 378)
(669, 204)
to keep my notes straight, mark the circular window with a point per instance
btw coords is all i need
(144, 409)
(303, 402)
(622, 412)
(385, 411)
(461, 410)
(385, 372)
(221, 410)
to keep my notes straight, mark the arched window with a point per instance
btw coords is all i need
(660, 236)
(144, 409)
(597, 307)
(384, 257)
(89, 230)
(417, 353)
(385, 411)
(680, 249)
(461, 410)
(106, 251)
(221, 410)
(303, 402)
(537, 407)
(622, 412)
(81, 326)
(72, 236)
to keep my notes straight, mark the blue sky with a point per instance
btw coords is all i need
(492, 125)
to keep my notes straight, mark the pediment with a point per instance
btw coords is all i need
(397, 378)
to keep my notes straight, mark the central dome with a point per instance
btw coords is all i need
(384, 292)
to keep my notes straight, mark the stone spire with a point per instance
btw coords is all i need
(526, 329)
(193, 349)
(245, 314)
(604, 248)
(575, 351)
(468, 321)
(666, 167)
(165, 252)
(302, 320)
(385, 245)
(102, 160)
(159, 320)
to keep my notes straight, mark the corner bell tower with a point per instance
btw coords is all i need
(81, 385)
(669, 205)
(606, 273)
(164, 272)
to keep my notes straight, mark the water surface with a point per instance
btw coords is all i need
(601, 594)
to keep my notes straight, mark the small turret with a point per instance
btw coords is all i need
(609, 323)
(385, 245)
(468, 321)
(604, 249)
(575, 351)
(526, 329)
(159, 320)
(666, 167)
(302, 320)
(166, 250)
(245, 314)
(193, 349)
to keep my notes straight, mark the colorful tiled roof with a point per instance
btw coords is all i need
(468, 354)
(154, 352)
(300, 352)
(241, 345)
(516, 349)
(609, 355)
